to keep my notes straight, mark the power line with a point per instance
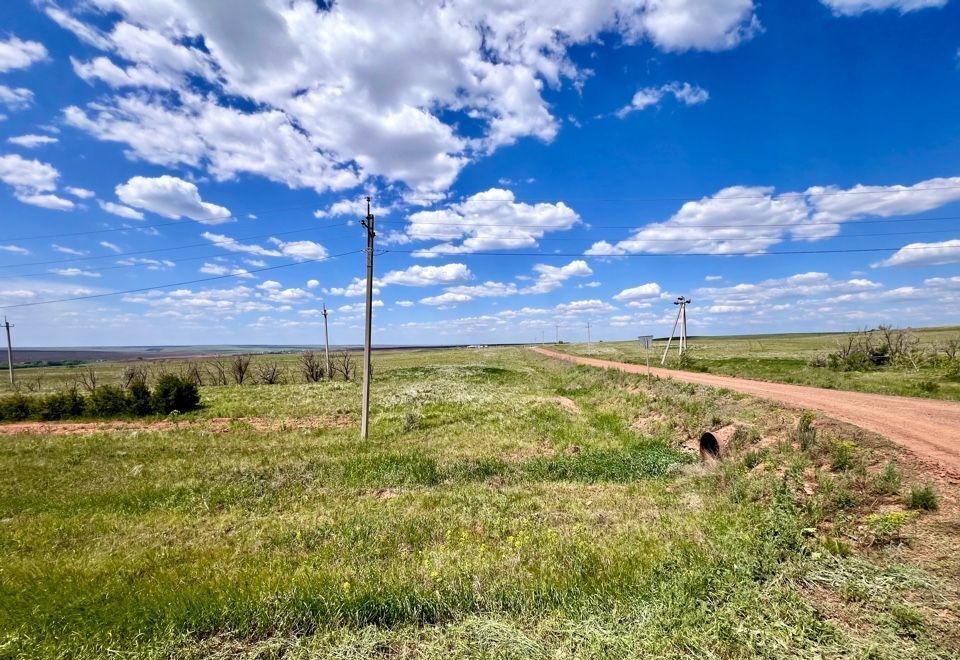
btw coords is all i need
(833, 193)
(180, 260)
(469, 225)
(173, 248)
(663, 254)
(184, 283)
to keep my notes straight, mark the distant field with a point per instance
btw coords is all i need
(786, 358)
(507, 506)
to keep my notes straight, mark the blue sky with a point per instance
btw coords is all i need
(790, 166)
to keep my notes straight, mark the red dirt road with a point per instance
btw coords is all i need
(927, 427)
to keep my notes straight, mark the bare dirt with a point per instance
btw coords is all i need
(928, 428)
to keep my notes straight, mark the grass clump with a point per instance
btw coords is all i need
(842, 456)
(887, 482)
(922, 498)
(886, 528)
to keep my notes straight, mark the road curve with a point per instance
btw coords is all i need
(927, 427)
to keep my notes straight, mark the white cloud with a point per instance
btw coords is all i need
(18, 54)
(33, 182)
(301, 250)
(15, 98)
(67, 250)
(232, 245)
(404, 303)
(111, 246)
(313, 284)
(857, 7)
(427, 275)
(171, 197)
(47, 201)
(713, 278)
(74, 272)
(753, 218)
(220, 269)
(746, 297)
(121, 210)
(151, 264)
(447, 298)
(358, 90)
(925, 254)
(642, 292)
(358, 307)
(14, 249)
(81, 193)
(552, 277)
(32, 141)
(651, 96)
(490, 220)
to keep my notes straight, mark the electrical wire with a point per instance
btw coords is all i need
(184, 283)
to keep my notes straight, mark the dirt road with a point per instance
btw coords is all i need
(928, 428)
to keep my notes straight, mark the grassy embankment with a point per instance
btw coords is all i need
(507, 505)
(787, 358)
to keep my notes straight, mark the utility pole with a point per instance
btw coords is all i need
(588, 336)
(368, 224)
(326, 340)
(8, 325)
(557, 326)
(681, 303)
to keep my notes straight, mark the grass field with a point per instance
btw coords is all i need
(506, 505)
(786, 359)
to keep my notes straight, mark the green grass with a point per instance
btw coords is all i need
(486, 517)
(785, 359)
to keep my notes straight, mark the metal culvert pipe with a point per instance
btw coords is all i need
(715, 444)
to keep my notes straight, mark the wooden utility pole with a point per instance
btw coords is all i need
(8, 325)
(326, 341)
(557, 326)
(681, 303)
(588, 336)
(368, 224)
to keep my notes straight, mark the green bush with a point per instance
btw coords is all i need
(138, 399)
(888, 481)
(173, 393)
(60, 405)
(923, 498)
(107, 401)
(16, 408)
(842, 456)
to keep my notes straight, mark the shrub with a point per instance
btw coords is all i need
(923, 498)
(311, 367)
(138, 399)
(16, 408)
(172, 393)
(106, 401)
(61, 405)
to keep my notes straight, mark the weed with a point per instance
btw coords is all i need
(842, 456)
(922, 498)
(888, 481)
(886, 528)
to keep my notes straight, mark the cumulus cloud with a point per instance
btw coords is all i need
(338, 96)
(651, 96)
(74, 272)
(754, 218)
(857, 7)
(32, 141)
(925, 254)
(233, 245)
(491, 220)
(33, 182)
(121, 210)
(170, 197)
(448, 298)
(18, 54)
(642, 292)
(427, 275)
(549, 278)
